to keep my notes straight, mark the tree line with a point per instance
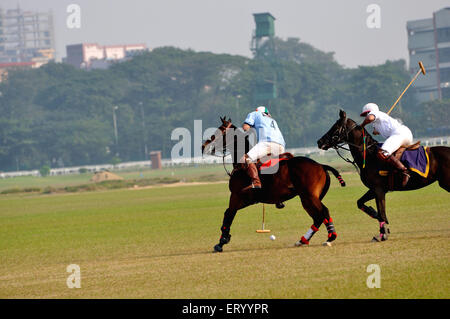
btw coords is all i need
(58, 115)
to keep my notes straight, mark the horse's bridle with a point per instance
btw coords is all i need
(336, 144)
(339, 137)
(337, 140)
(224, 144)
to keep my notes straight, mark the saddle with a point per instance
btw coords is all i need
(398, 153)
(270, 160)
(391, 173)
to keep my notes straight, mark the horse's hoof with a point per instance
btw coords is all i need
(331, 237)
(218, 248)
(381, 237)
(384, 232)
(301, 244)
(327, 243)
(224, 239)
(279, 205)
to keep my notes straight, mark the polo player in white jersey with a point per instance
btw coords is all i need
(270, 141)
(395, 133)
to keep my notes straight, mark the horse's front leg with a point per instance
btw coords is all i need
(225, 237)
(235, 204)
(367, 209)
(381, 208)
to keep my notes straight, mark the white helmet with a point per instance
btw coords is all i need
(262, 109)
(369, 107)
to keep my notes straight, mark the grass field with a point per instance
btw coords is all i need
(157, 243)
(186, 174)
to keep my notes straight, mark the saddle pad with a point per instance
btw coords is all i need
(417, 161)
(272, 162)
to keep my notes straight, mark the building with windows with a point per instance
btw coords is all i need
(429, 42)
(26, 36)
(92, 55)
(10, 66)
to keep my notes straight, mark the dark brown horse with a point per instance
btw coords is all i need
(294, 176)
(346, 131)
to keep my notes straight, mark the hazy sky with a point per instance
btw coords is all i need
(226, 26)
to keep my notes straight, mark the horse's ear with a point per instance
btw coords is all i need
(221, 119)
(229, 119)
(342, 114)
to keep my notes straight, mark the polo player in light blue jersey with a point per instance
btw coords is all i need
(270, 141)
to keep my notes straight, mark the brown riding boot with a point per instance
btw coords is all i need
(252, 172)
(394, 161)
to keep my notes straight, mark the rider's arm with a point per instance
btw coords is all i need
(249, 121)
(369, 119)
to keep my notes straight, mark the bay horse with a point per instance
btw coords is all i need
(298, 175)
(363, 148)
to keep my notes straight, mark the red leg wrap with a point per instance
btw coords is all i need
(304, 241)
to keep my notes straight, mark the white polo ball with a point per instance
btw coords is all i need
(272, 237)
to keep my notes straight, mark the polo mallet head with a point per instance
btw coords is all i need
(262, 230)
(422, 68)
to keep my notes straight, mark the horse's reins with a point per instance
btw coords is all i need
(224, 167)
(224, 147)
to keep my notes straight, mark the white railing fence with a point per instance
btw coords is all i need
(427, 141)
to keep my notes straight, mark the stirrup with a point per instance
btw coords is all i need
(250, 188)
(405, 178)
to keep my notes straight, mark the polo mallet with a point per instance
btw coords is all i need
(263, 230)
(422, 70)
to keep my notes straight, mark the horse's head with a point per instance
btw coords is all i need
(337, 134)
(217, 142)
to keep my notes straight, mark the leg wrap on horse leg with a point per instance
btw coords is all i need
(305, 239)
(384, 231)
(225, 237)
(330, 228)
(225, 229)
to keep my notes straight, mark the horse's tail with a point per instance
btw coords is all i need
(335, 173)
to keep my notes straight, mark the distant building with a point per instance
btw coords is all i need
(429, 42)
(92, 55)
(5, 67)
(26, 37)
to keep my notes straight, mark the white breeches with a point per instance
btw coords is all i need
(401, 137)
(262, 149)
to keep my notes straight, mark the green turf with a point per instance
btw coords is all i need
(157, 243)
